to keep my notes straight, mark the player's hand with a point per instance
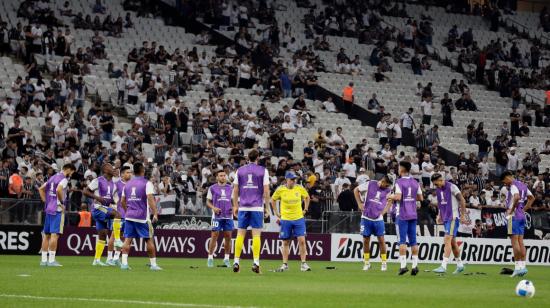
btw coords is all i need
(101, 200)
(217, 211)
(155, 218)
(463, 220)
(235, 211)
(508, 212)
(304, 212)
(438, 220)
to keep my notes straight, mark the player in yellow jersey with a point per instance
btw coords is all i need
(291, 217)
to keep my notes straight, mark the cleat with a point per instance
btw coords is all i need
(43, 263)
(283, 268)
(515, 273)
(459, 269)
(403, 271)
(98, 263)
(366, 266)
(54, 264)
(210, 263)
(440, 270)
(305, 267)
(414, 271)
(125, 267)
(155, 268)
(226, 263)
(117, 262)
(523, 272)
(118, 243)
(256, 268)
(111, 262)
(384, 267)
(236, 268)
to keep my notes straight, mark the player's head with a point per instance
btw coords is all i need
(125, 173)
(507, 177)
(253, 156)
(438, 180)
(404, 168)
(385, 182)
(221, 177)
(139, 169)
(107, 169)
(290, 178)
(68, 170)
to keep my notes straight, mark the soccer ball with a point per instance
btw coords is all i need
(525, 288)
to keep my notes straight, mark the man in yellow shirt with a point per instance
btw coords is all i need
(291, 217)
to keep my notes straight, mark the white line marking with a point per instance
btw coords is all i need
(24, 275)
(113, 301)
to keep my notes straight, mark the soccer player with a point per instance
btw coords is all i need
(291, 217)
(250, 196)
(218, 199)
(137, 200)
(102, 191)
(53, 199)
(407, 193)
(451, 206)
(375, 205)
(118, 223)
(518, 200)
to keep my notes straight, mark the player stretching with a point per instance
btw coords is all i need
(137, 199)
(102, 191)
(407, 192)
(218, 200)
(291, 217)
(118, 223)
(374, 207)
(451, 206)
(250, 194)
(53, 199)
(519, 200)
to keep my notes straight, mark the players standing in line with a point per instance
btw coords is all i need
(407, 193)
(218, 199)
(373, 208)
(125, 176)
(291, 217)
(518, 200)
(54, 208)
(102, 191)
(451, 206)
(250, 198)
(137, 200)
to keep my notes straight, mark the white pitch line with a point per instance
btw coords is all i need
(113, 301)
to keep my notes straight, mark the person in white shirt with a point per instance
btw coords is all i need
(484, 167)
(250, 132)
(329, 105)
(427, 171)
(55, 115)
(427, 107)
(407, 121)
(415, 169)
(396, 134)
(36, 32)
(350, 169)
(35, 110)
(362, 177)
(513, 160)
(382, 130)
(8, 107)
(474, 200)
(244, 73)
(60, 131)
(133, 89)
(339, 182)
(258, 88)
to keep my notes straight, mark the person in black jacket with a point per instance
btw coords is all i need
(346, 199)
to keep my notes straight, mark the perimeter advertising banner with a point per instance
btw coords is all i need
(349, 247)
(20, 239)
(193, 244)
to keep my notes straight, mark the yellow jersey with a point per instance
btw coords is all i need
(291, 201)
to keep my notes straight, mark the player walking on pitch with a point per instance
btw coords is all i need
(137, 200)
(218, 200)
(518, 200)
(53, 193)
(291, 217)
(125, 176)
(250, 196)
(373, 208)
(451, 206)
(407, 193)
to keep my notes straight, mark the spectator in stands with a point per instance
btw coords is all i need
(348, 99)
(447, 110)
(346, 199)
(514, 123)
(426, 105)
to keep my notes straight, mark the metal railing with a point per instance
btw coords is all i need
(526, 31)
(20, 211)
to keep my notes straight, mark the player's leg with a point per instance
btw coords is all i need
(56, 228)
(117, 226)
(379, 229)
(227, 245)
(517, 255)
(285, 234)
(299, 231)
(44, 250)
(129, 234)
(145, 230)
(285, 252)
(522, 255)
(366, 252)
(100, 243)
(411, 235)
(243, 219)
(211, 246)
(401, 226)
(110, 249)
(257, 223)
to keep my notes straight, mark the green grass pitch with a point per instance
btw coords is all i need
(189, 283)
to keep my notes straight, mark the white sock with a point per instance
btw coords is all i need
(226, 257)
(117, 255)
(51, 257)
(459, 262)
(109, 254)
(257, 261)
(403, 260)
(44, 256)
(236, 260)
(521, 264)
(516, 265)
(124, 259)
(444, 263)
(210, 257)
(414, 261)
(153, 261)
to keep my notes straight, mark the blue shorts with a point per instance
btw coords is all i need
(134, 229)
(372, 227)
(53, 223)
(516, 226)
(451, 227)
(253, 219)
(406, 230)
(222, 224)
(102, 217)
(292, 228)
(111, 221)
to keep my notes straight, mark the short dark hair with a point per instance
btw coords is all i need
(405, 165)
(505, 174)
(124, 168)
(69, 166)
(253, 155)
(387, 179)
(139, 168)
(436, 176)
